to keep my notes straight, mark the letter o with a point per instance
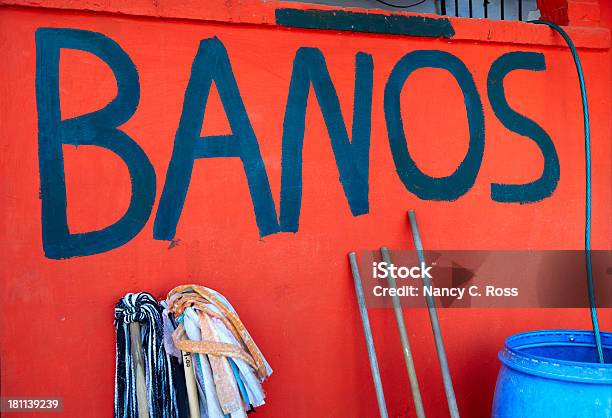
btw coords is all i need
(424, 186)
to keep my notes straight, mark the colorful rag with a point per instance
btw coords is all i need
(229, 366)
(161, 370)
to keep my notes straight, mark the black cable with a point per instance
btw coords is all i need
(587, 152)
(400, 6)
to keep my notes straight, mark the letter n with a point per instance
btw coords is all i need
(352, 157)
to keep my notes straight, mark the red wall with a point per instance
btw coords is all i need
(293, 291)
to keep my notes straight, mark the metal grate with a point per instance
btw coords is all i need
(490, 9)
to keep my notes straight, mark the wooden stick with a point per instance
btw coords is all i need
(192, 390)
(141, 384)
(435, 323)
(403, 333)
(367, 332)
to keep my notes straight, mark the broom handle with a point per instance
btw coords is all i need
(192, 390)
(401, 328)
(435, 324)
(367, 332)
(141, 384)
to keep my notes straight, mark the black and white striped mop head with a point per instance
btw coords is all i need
(159, 373)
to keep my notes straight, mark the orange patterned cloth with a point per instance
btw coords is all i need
(183, 296)
(223, 336)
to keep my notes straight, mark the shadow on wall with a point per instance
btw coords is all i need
(511, 7)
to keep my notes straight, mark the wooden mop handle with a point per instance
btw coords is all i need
(141, 385)
(190, 382)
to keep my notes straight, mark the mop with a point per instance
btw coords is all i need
(228, 366)
(184, 382)
(144, 375)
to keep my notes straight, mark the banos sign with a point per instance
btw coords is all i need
(212, 64)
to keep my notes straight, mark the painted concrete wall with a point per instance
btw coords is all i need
(293, 290)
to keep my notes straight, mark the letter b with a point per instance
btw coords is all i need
(98, 128)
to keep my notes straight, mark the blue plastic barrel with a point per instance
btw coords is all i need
(554, 374)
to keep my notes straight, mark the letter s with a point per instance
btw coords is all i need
(383, 272)
(547, 183)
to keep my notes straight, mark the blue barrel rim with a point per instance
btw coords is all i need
(565, 370)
